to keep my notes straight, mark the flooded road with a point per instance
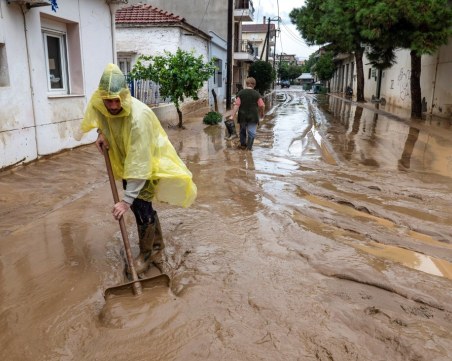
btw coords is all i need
(331, 240)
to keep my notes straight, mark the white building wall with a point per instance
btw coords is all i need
(436, 73)
(156, 40)
(395, 82)
(218, 50)
(17, 132)
(212, 19)
(436, 90)
(35, 122)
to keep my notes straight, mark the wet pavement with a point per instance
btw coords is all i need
(331, 240)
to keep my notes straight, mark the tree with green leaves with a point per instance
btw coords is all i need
(306, 67)
(324, 68)
(333, 22)
(283, 71)
(180, 75)
(264, 74)
(295, 71)
(421, 26)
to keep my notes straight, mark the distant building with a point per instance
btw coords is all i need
(306, 79)
(147, 30)
(256, 35)
(289, 59)
(392, 86)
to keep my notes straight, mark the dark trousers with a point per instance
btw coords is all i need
(143, 211)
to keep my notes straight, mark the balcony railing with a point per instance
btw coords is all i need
(243, 46)
(244, 10)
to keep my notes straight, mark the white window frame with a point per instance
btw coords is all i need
(61, 36)
(256, 51)
(127, 62)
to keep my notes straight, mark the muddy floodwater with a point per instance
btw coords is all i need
(331, 240)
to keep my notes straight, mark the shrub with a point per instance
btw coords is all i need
(264, 74)
(212, 118)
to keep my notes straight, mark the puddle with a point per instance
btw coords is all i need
(414, 260)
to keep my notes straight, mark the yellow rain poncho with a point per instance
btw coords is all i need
(139, 147)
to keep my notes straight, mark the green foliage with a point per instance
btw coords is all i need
(180, 75)
(419, 25)
(306, 67)
(333, 22)
(212, 118)
(283, 71)
(289, 72)
(381, 57)
(264, 74)
(295, 71)
(324, 68)
(329, 21)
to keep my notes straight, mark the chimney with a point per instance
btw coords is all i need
(265, 19)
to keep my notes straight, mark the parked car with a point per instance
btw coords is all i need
(285, 84)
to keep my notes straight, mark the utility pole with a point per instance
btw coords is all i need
(274, 51)
(230, 49)
(267, 40)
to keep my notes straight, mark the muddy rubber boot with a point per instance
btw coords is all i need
(249, 144)
(230, 126)
(151, 241)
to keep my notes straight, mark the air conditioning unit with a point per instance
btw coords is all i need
(30, 3)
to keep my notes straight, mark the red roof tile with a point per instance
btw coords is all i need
(145, 14)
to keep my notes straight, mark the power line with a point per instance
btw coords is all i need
(280, 40)
(258, 9)
(205, 12)
(298, 40)
(294, 36)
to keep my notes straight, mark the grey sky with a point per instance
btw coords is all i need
(289, 39)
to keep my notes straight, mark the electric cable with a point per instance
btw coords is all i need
(205, 12)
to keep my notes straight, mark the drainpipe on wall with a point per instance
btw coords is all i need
(434, 82)
(210, 84)
(111, 4)
(380, 74)
(229, 55)
(30, 76)
(112, 30)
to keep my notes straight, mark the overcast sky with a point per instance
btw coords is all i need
(289, 39)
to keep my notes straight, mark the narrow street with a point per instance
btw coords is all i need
(331, 240)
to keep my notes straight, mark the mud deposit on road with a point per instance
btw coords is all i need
(330, 241)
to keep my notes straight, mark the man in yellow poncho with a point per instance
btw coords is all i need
(141, 156)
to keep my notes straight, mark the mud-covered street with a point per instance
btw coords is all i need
(331, 240)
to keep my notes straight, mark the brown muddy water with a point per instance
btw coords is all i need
(331, 240)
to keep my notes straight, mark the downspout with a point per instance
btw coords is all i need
(229, 55)
(380, 74)
(30, 76)
(434, 83)
(210, 83)
(112, 30)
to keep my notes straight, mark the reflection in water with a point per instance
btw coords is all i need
(242, 186)
(410, 142)
(378, 141)
(350, 145)
(214, 133)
